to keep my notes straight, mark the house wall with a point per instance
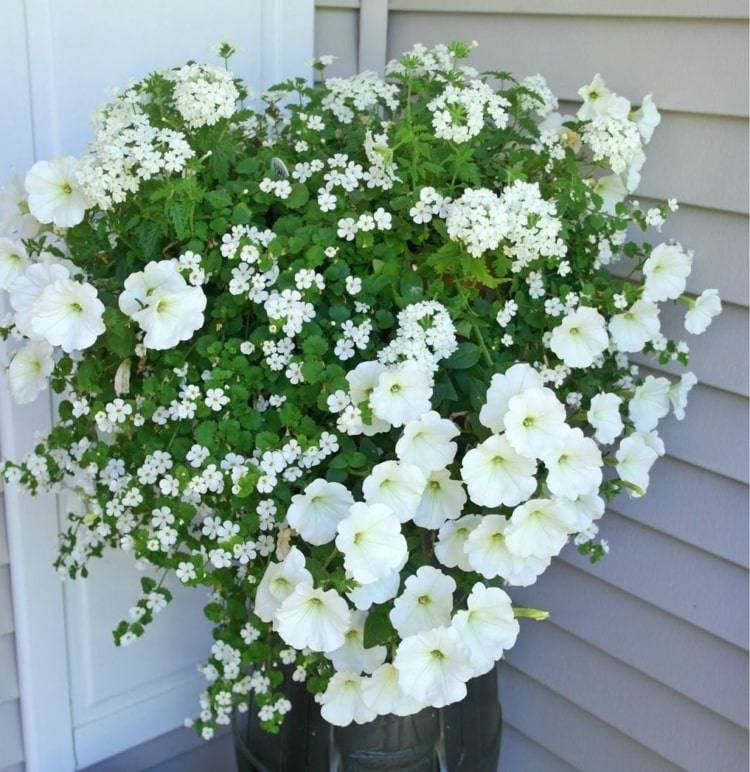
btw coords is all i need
(643, 663)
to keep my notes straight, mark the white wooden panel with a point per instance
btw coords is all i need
(695, 66)
(337, 34)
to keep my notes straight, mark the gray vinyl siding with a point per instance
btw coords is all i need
(643, 663)
(11, 743)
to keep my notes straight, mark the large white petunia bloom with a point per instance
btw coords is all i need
(434, 666)
(612, 190)
(278, 584)
(313, 618)
(487, 627)
(452, 536)
(646, 118)
(141, 286)
(371, 541)
(55, 195)
(342, 703)
(678, 394)
(539, 528)
(14, 260)
(599, 101)
(68, 314)
(488, 554)
(171, 317)
(365, 595)
(580, 337)
(665, 272)
(383, 694)
(634, 328)
(650, 403)
(316, 512)
(398, 486)
(702, 310)
(427, 601)
(635, 457)
(29, 370)
(403, 393)
(535, 423)
(577, 469)
(495, 474)
(15, 219)
(503, 386)
(26, 289)
(584, 510)
(353, 657)
(427, 442)
(443, 499)
(362, 381)
(604, 416)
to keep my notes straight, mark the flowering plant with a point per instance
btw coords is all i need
(351, 355)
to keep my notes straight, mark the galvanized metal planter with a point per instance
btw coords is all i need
(464, 737)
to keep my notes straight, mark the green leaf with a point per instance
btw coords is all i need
(378, 627)
(298, 197)
(466, 355)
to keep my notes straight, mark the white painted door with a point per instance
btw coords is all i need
(82, 699)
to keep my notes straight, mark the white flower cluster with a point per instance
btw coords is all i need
(245, 243)
(203, 95)
(458, 113)
(382, 171)
(544, 101)
(365, 91)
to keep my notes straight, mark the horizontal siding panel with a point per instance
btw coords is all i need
(4, 551)
(643, 637)
(711, 9)
(322, 4)
(691, 66)
(695, 506)
(656, 717)
(682, 580)
(708, 360)
(6, 601)
(713, 434)
(11, 744)
(520, 752)
(8, 672)
(337, 33)
(584, 741)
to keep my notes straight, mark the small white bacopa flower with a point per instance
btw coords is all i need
(29, 370)
(55, 195)
(313, 618)
(434, 666)
(580, 337)
(665, 272)
(68, 314)
(495, 474)
(371, 541)
(487, 627)
(316, 513)
(702, 311)
(634, 328)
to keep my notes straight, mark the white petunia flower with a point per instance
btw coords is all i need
(364, 596)
(612, 190)
(15, 219)
(142, 285)
(27, 288)
(580, 337)
(383, 694)
(535, 423)
(604, 416)
(443, 499)
(371, 541)
(313, 618)
(427, 442)
(403, 393)
(584, 510)
(634, 461)
(342, 703)
(426, 602)
(634, 328)
(702, 310)
(316, 513)
(503, 386)
(68, 314)
(452, 536)
(55, 195)
(278, 584)
(398, 486)
(487, 627)
(171, 317)
(488, 554)
(29, 370)
(678, 394)
(665, 272)
(14, 260)
(577, 469)
(496, 474)
(353, 657)
(539, 528)
(650, 403)
(362, 381)
(433, 667)
(646, 118)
